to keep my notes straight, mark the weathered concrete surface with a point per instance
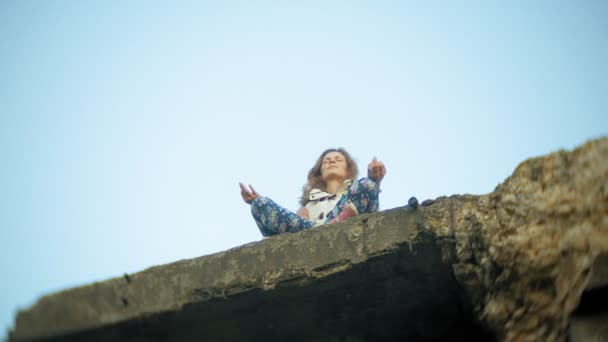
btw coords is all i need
(592, 329)
(518, 259)
(374, 277)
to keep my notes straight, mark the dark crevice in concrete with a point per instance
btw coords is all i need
(593, 302)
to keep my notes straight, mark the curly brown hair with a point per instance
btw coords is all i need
(314, 175)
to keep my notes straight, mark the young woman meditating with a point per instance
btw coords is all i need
(332, 194)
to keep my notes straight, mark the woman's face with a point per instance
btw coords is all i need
(334, 166)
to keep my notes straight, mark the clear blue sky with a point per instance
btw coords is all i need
(125, 126)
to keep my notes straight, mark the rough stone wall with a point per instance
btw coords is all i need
(529, 249)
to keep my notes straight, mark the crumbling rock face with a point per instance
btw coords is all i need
(510, 265)
(527, 251)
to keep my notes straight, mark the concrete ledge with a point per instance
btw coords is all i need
(364, 277)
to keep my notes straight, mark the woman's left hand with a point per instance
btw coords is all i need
(376, 170)
(248, 196)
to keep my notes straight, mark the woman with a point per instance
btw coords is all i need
(331, 195)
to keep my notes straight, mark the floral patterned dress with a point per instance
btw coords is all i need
(352, 198)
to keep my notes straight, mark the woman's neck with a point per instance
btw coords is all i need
(333, 185)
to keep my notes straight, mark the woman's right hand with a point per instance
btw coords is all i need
(248, 196)
(376, 171)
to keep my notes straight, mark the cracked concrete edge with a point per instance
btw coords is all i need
(316, 253)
